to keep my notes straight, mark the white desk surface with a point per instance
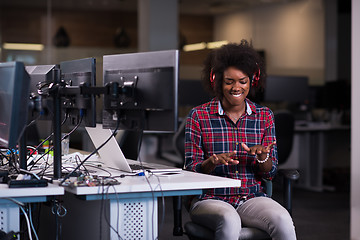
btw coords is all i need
(183, 181)
(50, 190)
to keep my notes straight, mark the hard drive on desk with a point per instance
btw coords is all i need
(27, 183)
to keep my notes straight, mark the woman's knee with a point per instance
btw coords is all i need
(219, 216)
(229, 218)
(228, 225)
(282, 226)
(282, 219)
(218, 212)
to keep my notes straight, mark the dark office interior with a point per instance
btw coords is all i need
(92, 30)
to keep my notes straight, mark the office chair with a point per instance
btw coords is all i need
(284, 128)
(284, 125)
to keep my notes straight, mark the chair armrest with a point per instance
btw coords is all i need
(268, 185)
(291, 174)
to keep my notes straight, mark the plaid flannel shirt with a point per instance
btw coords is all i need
(210, 131)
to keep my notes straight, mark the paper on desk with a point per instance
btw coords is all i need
(75, 157)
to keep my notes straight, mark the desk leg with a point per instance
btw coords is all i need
(134, 218)
(317, 157)
(312, 157)
(10, 217)
(304, 159)
(320, 161)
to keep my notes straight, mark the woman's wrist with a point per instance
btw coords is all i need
(208, 166)
(261, 161)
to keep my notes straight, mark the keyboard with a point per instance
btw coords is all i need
(139, 167)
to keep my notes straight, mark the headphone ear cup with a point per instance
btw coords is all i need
(256, 77)
(212, 79)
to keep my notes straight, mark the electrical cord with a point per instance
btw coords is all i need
(3, 156)
(51, 148)
(32, 225)
(47, 138)
(118, 210)
(27, 222)
(44, 88)
(101, 168)
(118, 207)
(163, 204)
(59, 211)
(91, 154)
(148, 182)
(77, 158)
(26, 126)
(12, 160)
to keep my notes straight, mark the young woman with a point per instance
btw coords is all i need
(231, 136)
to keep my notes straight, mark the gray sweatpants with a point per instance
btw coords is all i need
(259, 212)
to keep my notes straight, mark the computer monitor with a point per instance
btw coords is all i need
(289, 89)
(143, 91)
(191, 93)
(14, 100)
(41, 78)
(76, 73)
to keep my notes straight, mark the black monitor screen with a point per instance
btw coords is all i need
(290, 89)
(14, 99)
(76, 73)
(192, 93)
(143, 91)
(41, 78)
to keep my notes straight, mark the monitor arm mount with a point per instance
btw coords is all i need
(126, 92)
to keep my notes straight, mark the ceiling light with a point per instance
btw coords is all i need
(23, 46)
(212, 45)
(194, 47)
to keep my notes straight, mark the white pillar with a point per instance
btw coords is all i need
(157, 25)
(355, 120)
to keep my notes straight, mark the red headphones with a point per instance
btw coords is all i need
(255, 78)
(212, 79)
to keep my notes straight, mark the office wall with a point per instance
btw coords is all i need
(86, 28)
(292, 36)
(92, 35)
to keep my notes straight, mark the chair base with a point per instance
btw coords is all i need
(198, 232)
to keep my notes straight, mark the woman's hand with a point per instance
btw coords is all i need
(260, 150)
(216, 159)
(262, 155)
(223, 158)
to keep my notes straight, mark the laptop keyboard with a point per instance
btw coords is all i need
(138, 167)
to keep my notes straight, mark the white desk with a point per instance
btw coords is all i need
(310, 153)
(136, 202)
(9, 211)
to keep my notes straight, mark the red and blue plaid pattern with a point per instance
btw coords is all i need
(209, 131)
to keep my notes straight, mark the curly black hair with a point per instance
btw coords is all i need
(241, 56)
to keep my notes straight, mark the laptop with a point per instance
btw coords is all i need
(112, 156)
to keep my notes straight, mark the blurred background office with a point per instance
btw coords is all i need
(306, 41)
